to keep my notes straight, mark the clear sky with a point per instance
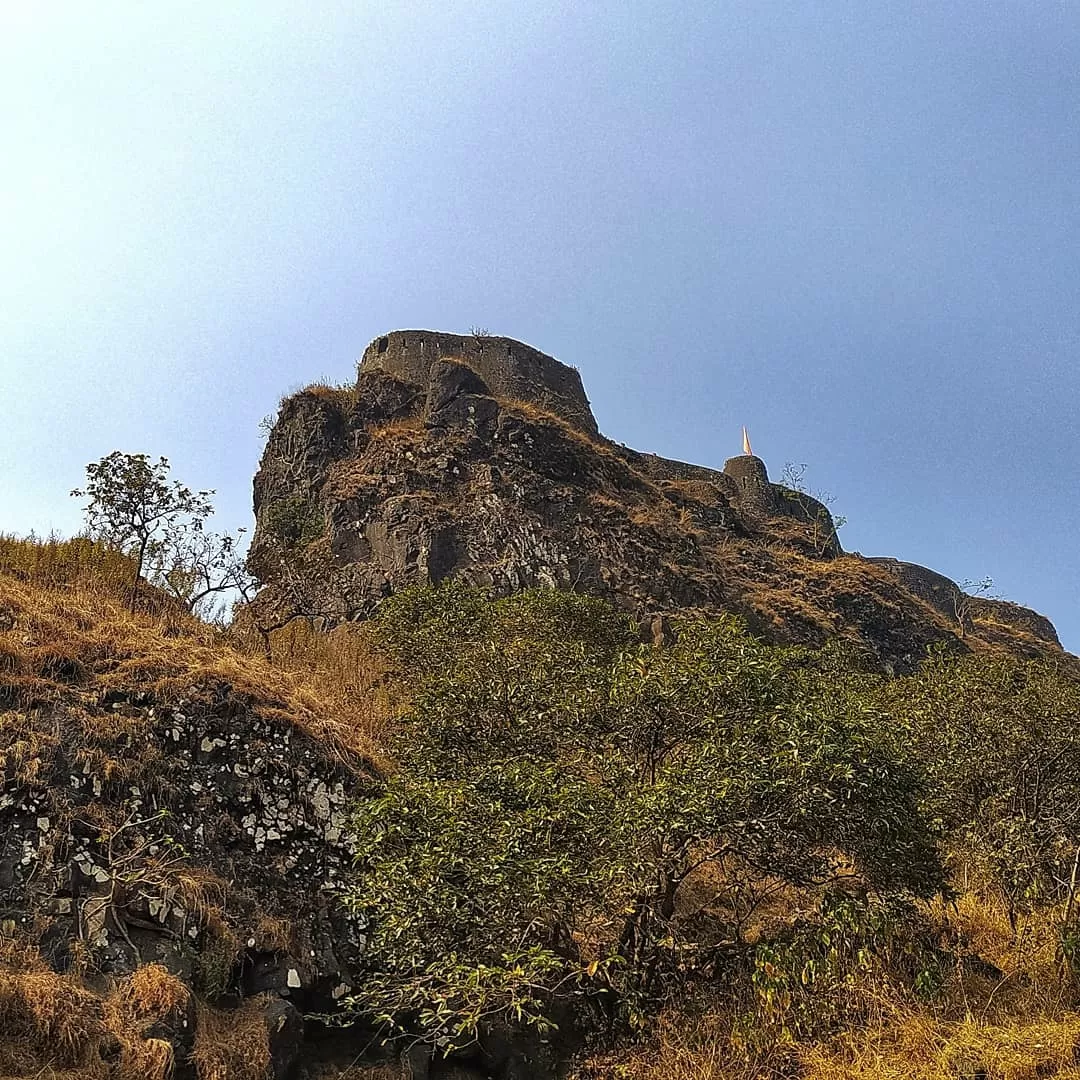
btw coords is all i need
(854, 227)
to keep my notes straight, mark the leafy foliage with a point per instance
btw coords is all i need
(999, 741)
(295, 522)
(135, 507)
(812, 979)
(561, 788)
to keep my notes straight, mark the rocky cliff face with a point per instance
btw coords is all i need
(170, 810)
(479, 459)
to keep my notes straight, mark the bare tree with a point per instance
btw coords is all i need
(966, 600)
(195, 565)
(812, 503)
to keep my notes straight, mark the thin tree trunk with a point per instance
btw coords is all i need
(138, 575)
(1072, 890)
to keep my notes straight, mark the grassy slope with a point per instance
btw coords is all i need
(66, 637)
(66, 642)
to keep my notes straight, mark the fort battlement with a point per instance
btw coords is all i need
(510, 368)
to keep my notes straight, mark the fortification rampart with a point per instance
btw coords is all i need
(656, 467)
(510, 368)
(745, 482)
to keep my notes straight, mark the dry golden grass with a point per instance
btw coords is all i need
(402, 427)
(686, 1045)
(537, 414)
(273, 935)
(47, 1017)
(50, 1025)
(151, 992)
(149, 997)
(232, 1044)
(53, 560)
(1019, 1024)
(912, 1044)
(343, 672)
(68, 638)
(344, 394)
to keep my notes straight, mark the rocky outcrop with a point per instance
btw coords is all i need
(478, 458)
(508, 369)
(221, 863)
(969, 607)
(160, 822)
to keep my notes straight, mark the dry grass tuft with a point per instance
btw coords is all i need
(341, 674)
(152, 992)
(147, 1003)
(232, 1044)
(344, 395)
(47, 1018)
(401, 427)
(273, 935)
(912, 1044)
(52, 1026)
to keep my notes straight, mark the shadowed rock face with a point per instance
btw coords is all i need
(479, 459)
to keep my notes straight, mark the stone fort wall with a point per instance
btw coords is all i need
(745, 481)
(510, 368)
(516, 371)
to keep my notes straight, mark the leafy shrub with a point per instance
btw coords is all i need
(295, 521)
(561, 787)
(813, 979)
(999, 741)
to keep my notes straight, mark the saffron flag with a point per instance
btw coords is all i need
(746, 442)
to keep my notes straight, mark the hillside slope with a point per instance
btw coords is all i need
(182, 824)
(173, 834)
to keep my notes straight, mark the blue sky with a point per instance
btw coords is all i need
(854, 227)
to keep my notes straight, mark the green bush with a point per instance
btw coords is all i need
(560, 786)
(999, 742)
(295, 521)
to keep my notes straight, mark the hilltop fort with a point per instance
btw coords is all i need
(478, 458)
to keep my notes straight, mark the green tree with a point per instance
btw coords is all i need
(998, 739)
(135, 506)
(568, 802)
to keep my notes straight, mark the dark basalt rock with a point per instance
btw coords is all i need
(478, 458)
(448, 380)
(254, 808)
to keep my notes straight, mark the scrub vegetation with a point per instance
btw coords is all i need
(713, 857)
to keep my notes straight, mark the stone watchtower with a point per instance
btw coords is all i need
(755, 492)
(510, 369)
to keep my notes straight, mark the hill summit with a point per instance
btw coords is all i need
(478, 458)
